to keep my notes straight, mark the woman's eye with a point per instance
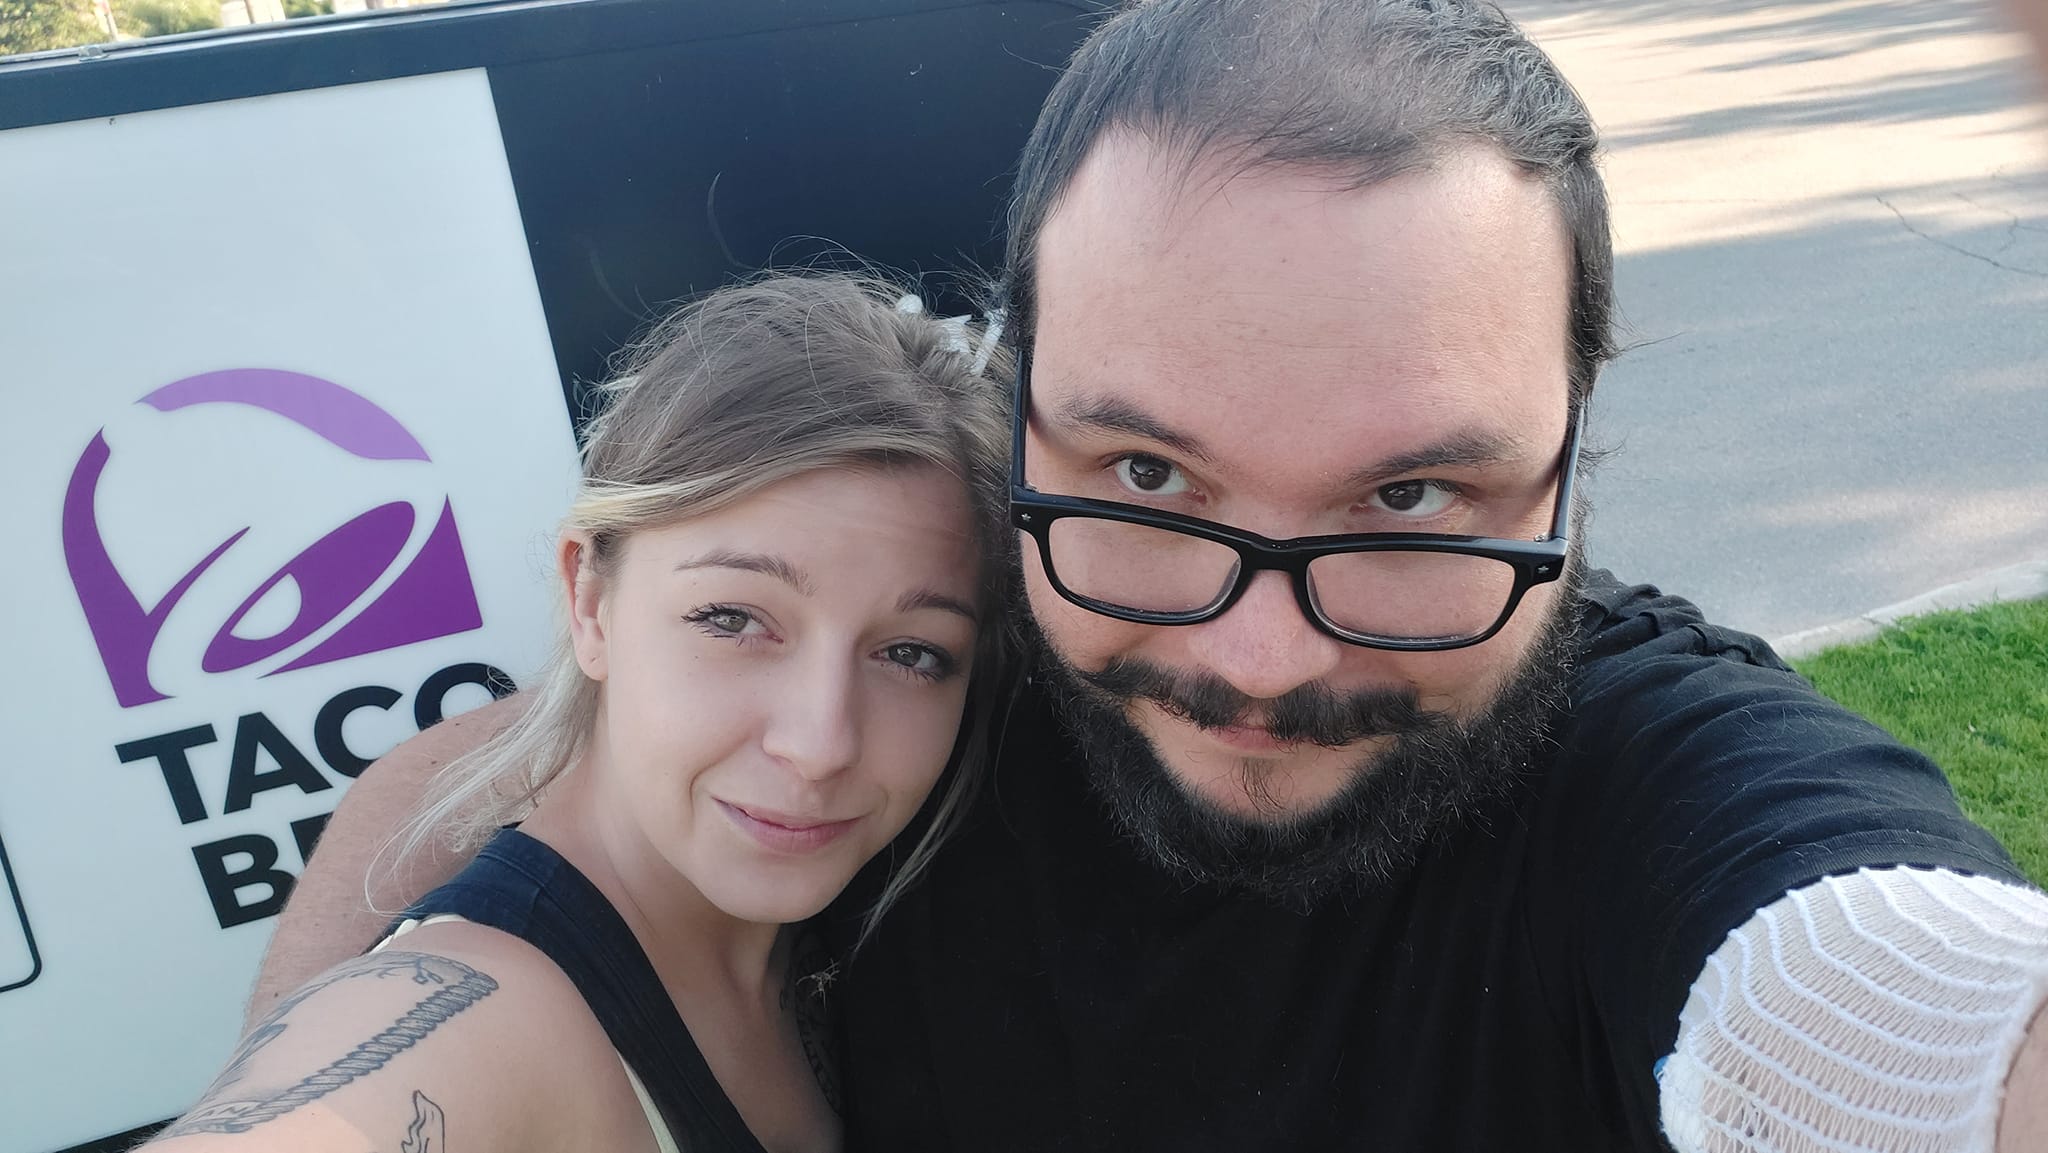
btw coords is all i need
(1150, 476)
(923, 660)
(719, 620)
(1415, 498)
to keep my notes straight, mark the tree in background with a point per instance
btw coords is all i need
(40, 25)
(165, 17)
(36, 25)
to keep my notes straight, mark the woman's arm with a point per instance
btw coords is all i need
(454, 1038)
(328, 917)
(350, 1061)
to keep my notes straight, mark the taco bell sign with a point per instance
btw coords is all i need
(246, 526)
(326, 586)
(329, 573)
(279, 491)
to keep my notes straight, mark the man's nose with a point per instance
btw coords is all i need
(1264, 646)
(814, 726)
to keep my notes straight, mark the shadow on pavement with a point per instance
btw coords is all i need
(1931, 94)
(1833, 28)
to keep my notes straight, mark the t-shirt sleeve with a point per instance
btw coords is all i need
(1699, 781)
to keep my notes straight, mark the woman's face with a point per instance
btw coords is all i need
(782, 679)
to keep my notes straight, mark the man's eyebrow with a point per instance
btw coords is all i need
(1467, 449)
(759, 562)
(927, 599)
(1112, 414)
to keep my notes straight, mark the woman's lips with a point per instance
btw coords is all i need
(785, 832)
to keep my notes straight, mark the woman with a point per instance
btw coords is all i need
(779, 572)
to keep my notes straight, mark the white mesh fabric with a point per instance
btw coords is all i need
(1879, 1011)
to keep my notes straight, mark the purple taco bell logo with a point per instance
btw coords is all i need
(334, 598)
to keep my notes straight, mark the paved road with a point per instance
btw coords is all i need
(1832, 227)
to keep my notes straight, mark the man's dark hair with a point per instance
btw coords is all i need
(1365, 89)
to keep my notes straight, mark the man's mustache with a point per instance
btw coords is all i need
(1310, 714)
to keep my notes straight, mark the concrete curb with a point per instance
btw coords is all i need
(2024, 581)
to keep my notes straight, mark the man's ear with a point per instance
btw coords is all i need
(583, 590)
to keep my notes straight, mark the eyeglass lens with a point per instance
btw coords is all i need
(1401, 594)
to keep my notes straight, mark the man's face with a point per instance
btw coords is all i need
(1275, 352)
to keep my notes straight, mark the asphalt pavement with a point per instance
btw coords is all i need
(1832, 237)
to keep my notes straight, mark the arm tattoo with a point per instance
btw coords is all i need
(428, 1132)
(453, 987)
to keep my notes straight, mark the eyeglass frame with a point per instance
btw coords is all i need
(1534, 562)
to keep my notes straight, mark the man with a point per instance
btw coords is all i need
(1303, 835)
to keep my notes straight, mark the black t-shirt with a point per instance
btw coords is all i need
(1045, 987)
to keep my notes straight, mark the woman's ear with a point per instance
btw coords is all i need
(583, 589)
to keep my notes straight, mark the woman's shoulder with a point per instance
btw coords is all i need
(452, 1028)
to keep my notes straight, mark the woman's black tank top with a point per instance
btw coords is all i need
(519, 885)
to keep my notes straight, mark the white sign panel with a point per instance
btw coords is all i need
(283, 443)
(18, 962)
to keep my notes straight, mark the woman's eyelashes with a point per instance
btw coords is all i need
(920, 660)
(728, 622)
(909, 658)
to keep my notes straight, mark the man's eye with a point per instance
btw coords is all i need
(1415, 498)
(1150, 476)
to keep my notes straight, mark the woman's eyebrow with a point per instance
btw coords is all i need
(929, 599)
(765, 563)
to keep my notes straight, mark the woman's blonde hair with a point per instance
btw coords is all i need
(739, 390)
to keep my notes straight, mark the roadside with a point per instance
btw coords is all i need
(2027, 580)
(1970, 689)
(1832, 262)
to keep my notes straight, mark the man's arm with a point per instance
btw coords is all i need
(1887, 1009)
(2023, 1126)
(330, 917)
(1769, 854)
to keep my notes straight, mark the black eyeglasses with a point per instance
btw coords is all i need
(1414, 592)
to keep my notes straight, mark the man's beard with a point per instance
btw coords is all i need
(1434, 774)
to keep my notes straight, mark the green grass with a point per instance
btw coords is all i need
(1969, 689)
